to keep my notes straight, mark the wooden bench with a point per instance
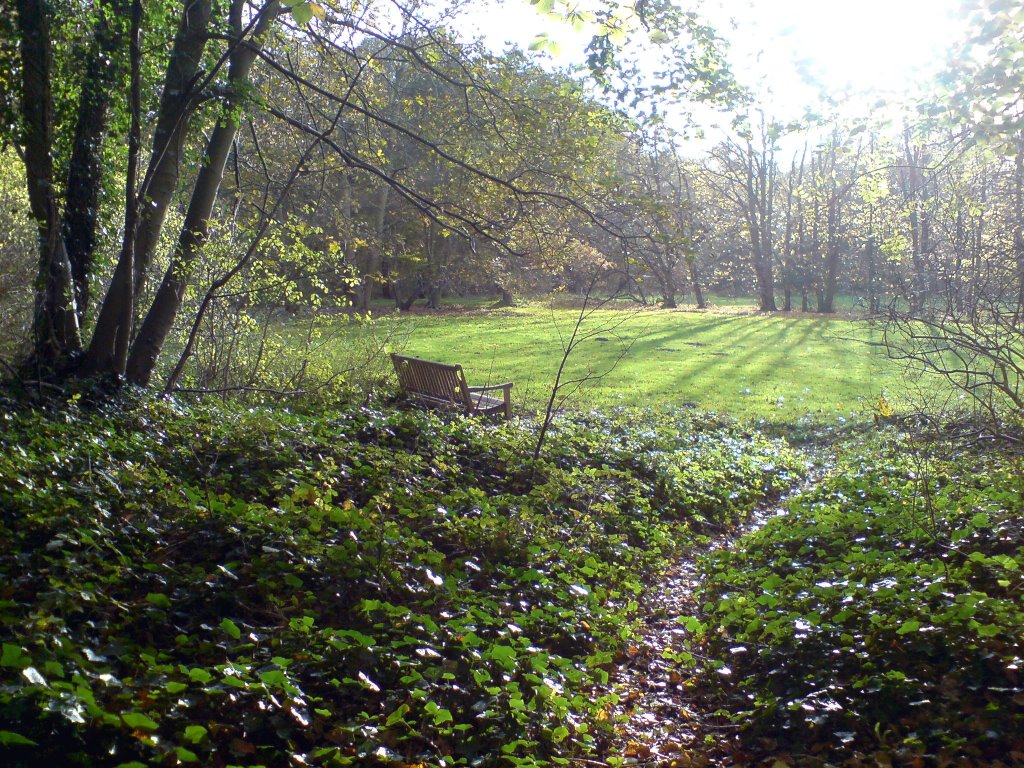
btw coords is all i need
(445, 386)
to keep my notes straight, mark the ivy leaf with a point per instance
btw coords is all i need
(443, 716)
(11, 739)
(988, 630)
(139, 721)
(231, 629)
(397, 716)
(13, 656)
(908, 626)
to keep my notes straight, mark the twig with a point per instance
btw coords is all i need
(559, 391)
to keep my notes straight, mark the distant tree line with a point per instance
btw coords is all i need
(186, 169)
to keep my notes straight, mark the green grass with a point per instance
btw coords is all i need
(773, 367)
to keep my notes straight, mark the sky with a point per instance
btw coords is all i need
(788, 51)
(793, 47)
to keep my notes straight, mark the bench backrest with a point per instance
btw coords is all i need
(437, 381)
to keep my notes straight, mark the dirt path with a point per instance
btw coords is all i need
(666, 725)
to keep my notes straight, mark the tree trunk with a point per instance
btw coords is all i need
(371, 268)
(698, 292)
(668, 285)
(387, 284)
(1018, 229)
(109, 354)
(108, 347)
(160, 318)
(437, 249)
(831, 259)
(85, 171)
(787, 242)
(766, 287)
(760, 187)
(873, 301)
(914, 193)
(506, 300)
(177, 104)
(55, 326)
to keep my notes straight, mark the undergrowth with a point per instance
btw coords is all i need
(881, 620)
(223, 586)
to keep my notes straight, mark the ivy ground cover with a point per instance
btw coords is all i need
(227, 587)
(880, 622)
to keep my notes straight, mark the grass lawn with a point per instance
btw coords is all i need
(776, 367)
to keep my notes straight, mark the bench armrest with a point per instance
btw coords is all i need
(506, 386)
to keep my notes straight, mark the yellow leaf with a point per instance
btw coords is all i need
(884, 409)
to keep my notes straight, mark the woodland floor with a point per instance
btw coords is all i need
(667, 723)
(229, 586)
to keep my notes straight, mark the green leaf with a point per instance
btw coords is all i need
(175, 687)
(14, 656)
(11, 739)
(691, 623)
(504, 655)
(908, 626)
(231, 628)
(159, 599)
(988, 630)
(139, 721)
(200, 675)
(274, 677)
(302, 14)
(397, 716)
(195, 733)
(443, 716)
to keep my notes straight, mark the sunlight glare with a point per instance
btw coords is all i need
(790, 52)
(839, 47)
